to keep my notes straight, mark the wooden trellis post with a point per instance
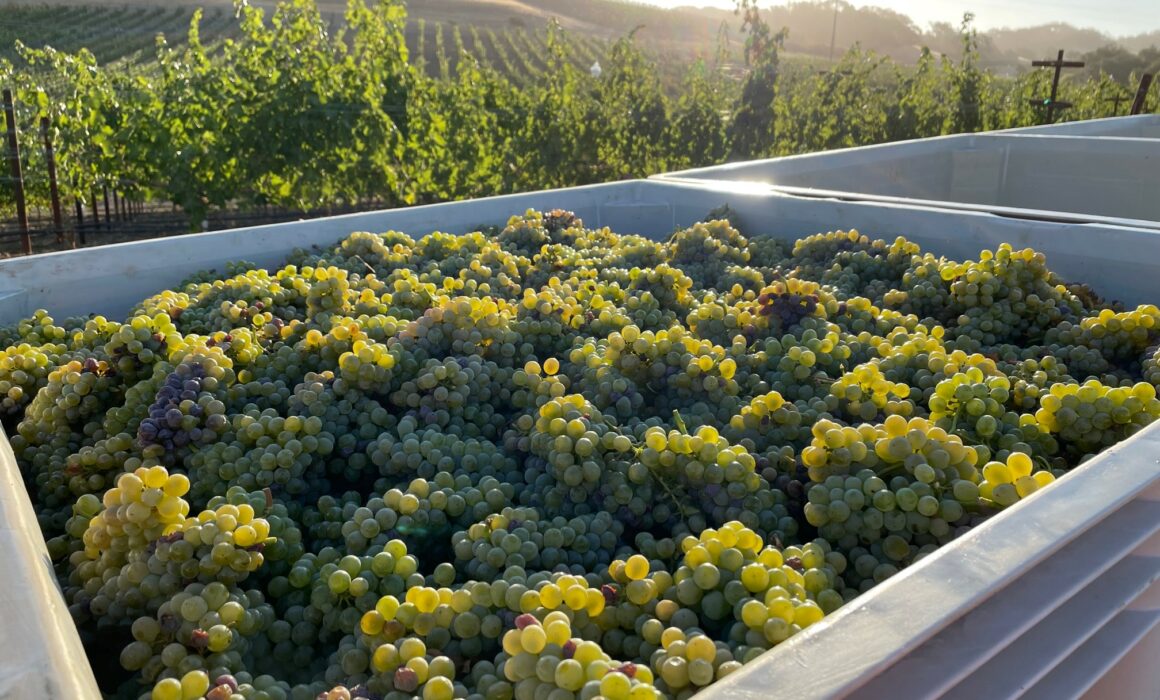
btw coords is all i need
(1051, 103)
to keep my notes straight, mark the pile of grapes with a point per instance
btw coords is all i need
(546, 464)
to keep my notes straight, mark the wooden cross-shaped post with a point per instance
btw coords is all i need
(1058, 64)
(1116, 102)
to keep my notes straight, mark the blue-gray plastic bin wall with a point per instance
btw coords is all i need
(1142, 126)
(1061, 586)
(1034, 174)
(110, 279)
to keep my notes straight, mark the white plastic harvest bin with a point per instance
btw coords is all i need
(1142, 126)
(1031, 174)
(1053, 597)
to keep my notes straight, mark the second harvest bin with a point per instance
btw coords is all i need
(1054, 598)
(1106, 171)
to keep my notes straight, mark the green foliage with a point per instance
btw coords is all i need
(968, 82)
(288, 111)
(839, 108)
(634, 114)
(923, 108)
(697, 131)
(753, 130)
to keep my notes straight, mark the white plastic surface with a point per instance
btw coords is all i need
(1064, 581)
(1143, 126)
(1118, 260)
(1029, 174)
(41, 655)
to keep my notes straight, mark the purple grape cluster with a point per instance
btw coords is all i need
(787, 307)
(175, 417)
(560, 219)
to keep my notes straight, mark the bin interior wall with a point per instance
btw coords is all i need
(1119, 262)
(1106, 177)
(1143, 126)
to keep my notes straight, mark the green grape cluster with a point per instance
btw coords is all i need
(727, 318)
(284, 544)
(1088, 417)
(1113, 338)
(971, 397)
(518, 537)
(455, 392)
(1005, 483)
(1007, 296)
(801, 368)
(740, 278)
(423, 514)
(884, 492)
(24, 370)
(549, 320)
(573, 438)
(144, 506)
(1150, 366)
(71, 401)
(853, 263)
(690, 661)
(1031, 378)
(224, 544)
(728, 585)
(702, 468)
(526, 234)
(864, 393)
(667, 286)
(768, 421)
(707, 249)
(263, 449)
(545, 655)
(203, 628)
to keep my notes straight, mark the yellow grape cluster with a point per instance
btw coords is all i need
(917, 446)
(1005, 484)
(546, 654)
(1090, 416)
(864, 393)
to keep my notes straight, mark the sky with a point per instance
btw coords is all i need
(1115, 17)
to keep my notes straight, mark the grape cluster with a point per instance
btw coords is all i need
(767, 422)
(1091, 416)
(1150, 366)
(184, 412)
(1114, 338)
(518, 537)
(864, 393)
(782, 305)
(548, 656)
(201, 633)
(1005, 483)
(143, 507)
(853, 263)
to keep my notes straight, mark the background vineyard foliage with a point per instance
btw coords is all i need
(293, 109)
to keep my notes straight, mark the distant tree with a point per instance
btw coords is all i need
(753, 131)
(697, 132)
(1150, 59)
(1115, 60)
(968, 80)
(635, 117)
